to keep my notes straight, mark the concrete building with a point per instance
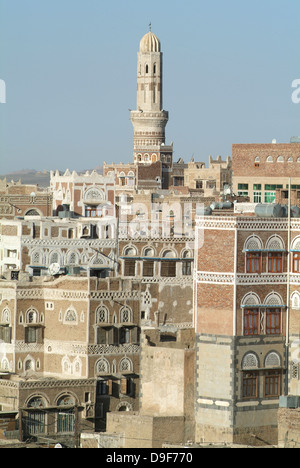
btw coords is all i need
(211, 180)
(260, 169)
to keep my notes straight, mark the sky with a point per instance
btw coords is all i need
(69, 67)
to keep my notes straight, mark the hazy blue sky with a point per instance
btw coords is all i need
(70, 72)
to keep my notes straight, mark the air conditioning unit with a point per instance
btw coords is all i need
(290, 401)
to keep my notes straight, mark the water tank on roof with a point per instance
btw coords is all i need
(203, 211)
(269, 210)
(214, 206)
(226, 205)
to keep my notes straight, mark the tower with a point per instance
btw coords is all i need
(149, 119)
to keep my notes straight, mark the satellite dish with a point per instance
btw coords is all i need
(54, 269)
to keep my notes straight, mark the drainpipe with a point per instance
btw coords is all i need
(287, 331)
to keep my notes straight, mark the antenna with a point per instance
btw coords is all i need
(150, 26)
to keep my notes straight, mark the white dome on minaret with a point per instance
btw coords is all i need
(149, 43)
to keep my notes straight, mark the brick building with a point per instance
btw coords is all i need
(23, 200)
(247, 295)
(260, 169)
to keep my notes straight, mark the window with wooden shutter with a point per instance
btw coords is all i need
(5, 334)
(101, 336)
(124, 335)
(113, 336)
(148, 268)
(168, 269)
(135, 335)
(129, 268)
(124, 386)
(30, 335)
(186, 268)
(109, 386)
(40, 335)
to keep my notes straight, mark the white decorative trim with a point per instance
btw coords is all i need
(264, 278)
(213, 222)
(215, 278)
(241, 279)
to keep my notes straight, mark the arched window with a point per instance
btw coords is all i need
(55, 258)
(102, 314)
(148, 252)
(168, 254)
(270, 159)
(102, 366)
(126, 365)
(72, 258)
(29, 364)
(272, 360)
(66, 366)
(32, 316)
(253, 247)
(274, 300)
(5, 318)
(250, 361)
(71, 317)
(130, 252)
(147, 68)
(37, 258)
(4, 364)
(295, 300)
(125, 315)
(280, 159)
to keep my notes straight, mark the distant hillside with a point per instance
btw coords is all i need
(29, 177)
(41, 178)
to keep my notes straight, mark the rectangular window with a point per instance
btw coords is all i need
(275, 262)
(148, 268)
(273, 186)
(256, 186)
(250, 385)
(124, 335)
(272, 384)
(243, 186)
(251, 322)
(186, 268)
(168, 269)
(270, 197)
(257, 197)
(253, 262)
(31, 335)
(273, 321)
(5, 334)
(104, 387)
(296, 262)
(101, 336)
(129, 268)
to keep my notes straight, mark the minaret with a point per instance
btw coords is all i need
(149, 120)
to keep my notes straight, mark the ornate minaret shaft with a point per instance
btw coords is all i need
(149, 120)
